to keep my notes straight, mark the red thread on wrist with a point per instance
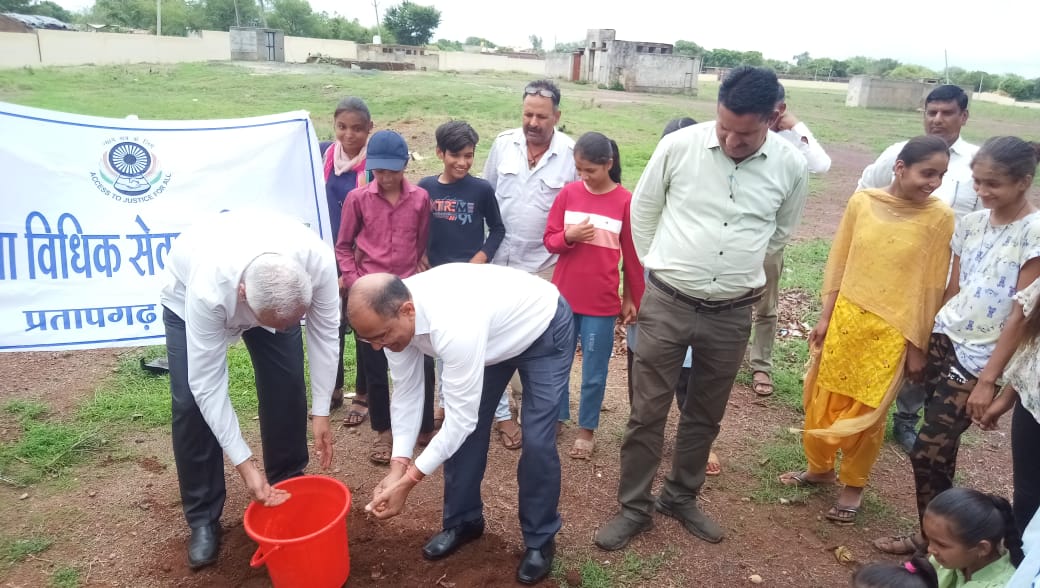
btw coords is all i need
(415, 477)
(401, 460)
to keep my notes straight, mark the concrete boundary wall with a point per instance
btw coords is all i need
(47, 48)
(19, 50)
(75, 48)
(297, 49)
(461, 61)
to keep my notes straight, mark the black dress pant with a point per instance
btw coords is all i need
(1025, 438)
(377, 383)
(278, 373)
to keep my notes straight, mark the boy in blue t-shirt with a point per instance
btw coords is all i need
(461, 203)
(465, 227)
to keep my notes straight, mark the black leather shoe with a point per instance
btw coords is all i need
(448, 541)
(203, 546)
(537, 564)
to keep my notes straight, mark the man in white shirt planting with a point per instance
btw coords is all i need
(248, 274)
(485, 322)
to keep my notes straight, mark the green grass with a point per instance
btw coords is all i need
(783, 453)
(66, 577)
(131, 399)
(790, 358)
(26, 410)
(13, 551)
(780, 454)
(803, 270)
(632, 569)
(803, 266)
(132, 395)
(417, 102)
(45, 448)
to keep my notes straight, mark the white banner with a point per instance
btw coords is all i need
(90, 206)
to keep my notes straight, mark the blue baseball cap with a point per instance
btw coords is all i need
(386, 150)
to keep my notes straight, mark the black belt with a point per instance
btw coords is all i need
(708, 306)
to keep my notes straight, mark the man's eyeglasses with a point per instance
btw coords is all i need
(375, 340)
(543, 92)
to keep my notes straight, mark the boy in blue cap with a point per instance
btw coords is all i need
(384, 228)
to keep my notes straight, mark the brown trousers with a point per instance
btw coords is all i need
(666, 327)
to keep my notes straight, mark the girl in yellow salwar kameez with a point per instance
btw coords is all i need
(882, 287)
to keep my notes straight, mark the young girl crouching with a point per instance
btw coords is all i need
(972, 539)
(916, 572)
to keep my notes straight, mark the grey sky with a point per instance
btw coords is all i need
(995, 35)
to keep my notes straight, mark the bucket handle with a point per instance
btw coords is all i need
(259, 558)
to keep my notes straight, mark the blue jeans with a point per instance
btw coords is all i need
(597, 343)
(543, 369)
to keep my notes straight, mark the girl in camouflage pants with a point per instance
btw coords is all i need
(996, 253)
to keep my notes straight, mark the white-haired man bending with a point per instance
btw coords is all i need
(253, 275)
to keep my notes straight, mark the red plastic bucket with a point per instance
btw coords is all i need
(303, 542)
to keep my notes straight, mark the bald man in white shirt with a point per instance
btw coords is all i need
(484, 322)
(248, 274)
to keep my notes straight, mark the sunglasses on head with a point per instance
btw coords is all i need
(543, 92)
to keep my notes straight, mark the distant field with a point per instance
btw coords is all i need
(415, 103)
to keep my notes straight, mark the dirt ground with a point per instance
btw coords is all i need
(118, 519)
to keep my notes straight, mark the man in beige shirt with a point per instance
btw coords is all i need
(713, 202)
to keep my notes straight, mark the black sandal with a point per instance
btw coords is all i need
(356, 417)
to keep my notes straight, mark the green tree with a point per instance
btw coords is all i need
(175, 20)
(688, 48)
(47, 8)
(220, 15)
(295, 17)
(802, 60)
(446, 45)
(909, 71)
(753, 58)
(132, 14)
(858, 65)
(479, 41)
(345, 29)
(412, 24)
(883, 66)
(19, 6)
(959, 76)
(569, 46)
(821, 68)
(177, 17)
(778, 66)
(839, 68)
(1018, 87)
(723, 58)
(536, 43)
(977, 78)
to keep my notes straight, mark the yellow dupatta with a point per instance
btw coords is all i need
(890, 257)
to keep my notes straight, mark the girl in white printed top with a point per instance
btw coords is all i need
(996, 254)
(1023, 394)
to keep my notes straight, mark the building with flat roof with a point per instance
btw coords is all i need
(636, 66)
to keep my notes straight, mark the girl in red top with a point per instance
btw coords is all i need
(588, 226)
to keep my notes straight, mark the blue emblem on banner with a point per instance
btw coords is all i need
(129, 171)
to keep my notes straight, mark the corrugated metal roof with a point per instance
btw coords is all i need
(37, 21)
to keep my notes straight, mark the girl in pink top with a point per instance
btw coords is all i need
(588, 226)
